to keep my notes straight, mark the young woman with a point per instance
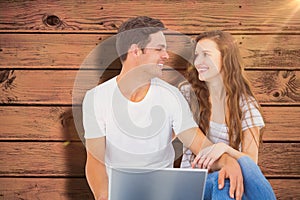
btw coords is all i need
(227, 112)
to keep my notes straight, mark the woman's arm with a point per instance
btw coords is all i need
(250, 144)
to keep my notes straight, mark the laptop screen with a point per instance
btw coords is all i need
(157, 184)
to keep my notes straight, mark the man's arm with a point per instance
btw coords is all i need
(212, 153)
(195, 140)
(95, 168)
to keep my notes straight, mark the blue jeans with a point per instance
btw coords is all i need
(256, 186)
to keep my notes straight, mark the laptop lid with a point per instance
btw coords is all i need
(157, 184)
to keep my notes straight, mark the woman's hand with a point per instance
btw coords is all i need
(209, 155)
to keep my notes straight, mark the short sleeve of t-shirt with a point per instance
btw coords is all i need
(251, 115)
(182, 115)
(93, 123)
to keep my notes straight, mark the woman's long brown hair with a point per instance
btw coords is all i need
(236, 87)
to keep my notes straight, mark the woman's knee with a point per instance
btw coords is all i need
(249, 168)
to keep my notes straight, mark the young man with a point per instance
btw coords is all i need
(129, 119)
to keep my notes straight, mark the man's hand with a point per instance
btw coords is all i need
(232, 170)
(196, 141)
(207, 156)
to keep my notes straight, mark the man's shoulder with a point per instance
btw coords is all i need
(162, 83)
(167, 90)
(101, 90)
(107, 85)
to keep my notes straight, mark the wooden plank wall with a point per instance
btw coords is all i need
(42, 45)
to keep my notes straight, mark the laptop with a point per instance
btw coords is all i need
(157, 184)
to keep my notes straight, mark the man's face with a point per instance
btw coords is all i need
(155, 54)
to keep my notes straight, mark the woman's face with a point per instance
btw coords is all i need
(208, 60)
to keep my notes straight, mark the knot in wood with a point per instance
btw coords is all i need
(52, 20)
(276, 94)
(4, 74)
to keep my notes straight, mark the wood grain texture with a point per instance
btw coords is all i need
(37, 123)
(270, 51)
(280, 159)
(44, 188)
(275, 86)
(43, 43)
(77, 188)
(68, 51)
(286, 188)
(39, 50)
(42, 159)
(57, 87)
(282, 123)
(184, 16)
(56, 123)
(68, 159)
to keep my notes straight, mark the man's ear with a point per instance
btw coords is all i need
(134, 50)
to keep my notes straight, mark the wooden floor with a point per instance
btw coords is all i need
(43, 45)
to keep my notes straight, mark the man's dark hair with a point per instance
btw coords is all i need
(136, 31)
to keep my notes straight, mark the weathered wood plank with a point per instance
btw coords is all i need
(269, 51)
(282, 123)
(37, 123)
(59, 51)
(42, 159)
(56, 86)
(280, 159)
(49, 50)
(45, 188)
(61, 159)
(185, 16)
(275, 86)
(57, 124)
(77, 188)
(286, 188)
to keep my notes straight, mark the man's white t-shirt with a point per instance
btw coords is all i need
(138, 134)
